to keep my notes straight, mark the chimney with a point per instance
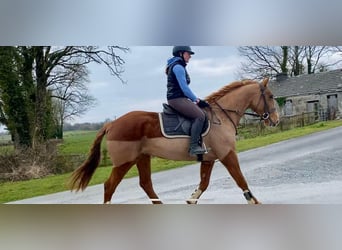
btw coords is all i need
(281, 77)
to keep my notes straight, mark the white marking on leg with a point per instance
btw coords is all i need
(194, 196)
(155, 200)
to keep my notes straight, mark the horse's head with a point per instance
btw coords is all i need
(265, 106)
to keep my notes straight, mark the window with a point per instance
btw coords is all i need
(288, 109)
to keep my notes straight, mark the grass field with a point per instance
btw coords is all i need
(79, 142)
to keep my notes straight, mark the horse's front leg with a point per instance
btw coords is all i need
(206, 168)
(231, 162)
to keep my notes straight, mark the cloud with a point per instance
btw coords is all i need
(154, 105)
(98, 85)
(214, 67)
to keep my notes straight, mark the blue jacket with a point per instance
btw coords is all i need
(178, 80)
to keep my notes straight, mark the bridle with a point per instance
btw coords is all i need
(267, 111)
(264, 116)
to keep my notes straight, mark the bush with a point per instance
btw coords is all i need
(21, 166)
(67, 163)
(28, 163)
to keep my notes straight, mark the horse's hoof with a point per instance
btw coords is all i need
(250, 198)
(108, 202)
(194, 196)
(192, 201)
(253, 202)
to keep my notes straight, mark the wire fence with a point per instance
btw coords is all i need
(253, 128)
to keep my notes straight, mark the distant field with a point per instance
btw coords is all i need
(75, 142)
(78, 142)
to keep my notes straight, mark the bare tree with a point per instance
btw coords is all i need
(295, 60)
(52, 64)
(70, 95)
(313, 56)
(334, 52)
(291, 60)
(263, 61)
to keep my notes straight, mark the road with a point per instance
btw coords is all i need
(305, 170)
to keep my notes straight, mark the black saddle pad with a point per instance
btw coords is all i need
(174, 125)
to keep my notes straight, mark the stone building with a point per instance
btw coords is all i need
(320, 93)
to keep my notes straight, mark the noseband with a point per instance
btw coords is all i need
(264, 116)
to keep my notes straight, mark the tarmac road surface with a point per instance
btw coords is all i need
(306, 170)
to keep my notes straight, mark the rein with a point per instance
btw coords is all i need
(227, 115)
(264, 116)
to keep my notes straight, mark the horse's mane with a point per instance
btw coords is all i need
(227, 88)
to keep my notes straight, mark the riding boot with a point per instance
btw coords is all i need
(195, 141)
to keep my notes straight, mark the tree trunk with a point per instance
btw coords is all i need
(13, 97)
(283, 65)
(296, 70)
(39, 135)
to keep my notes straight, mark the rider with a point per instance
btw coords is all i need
(181, 98)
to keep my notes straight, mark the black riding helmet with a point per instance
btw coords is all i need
(180, 49)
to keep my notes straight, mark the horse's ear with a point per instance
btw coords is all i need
(265, 82)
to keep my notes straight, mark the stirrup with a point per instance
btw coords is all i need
(197, 151)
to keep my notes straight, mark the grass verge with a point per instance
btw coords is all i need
(11, 191)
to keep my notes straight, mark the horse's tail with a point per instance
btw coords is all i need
(82, 175)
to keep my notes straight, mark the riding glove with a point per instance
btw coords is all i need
(202, 104)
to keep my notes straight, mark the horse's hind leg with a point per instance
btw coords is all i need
(145, 181)
(231, 162)
(115, 178)
(206, 168)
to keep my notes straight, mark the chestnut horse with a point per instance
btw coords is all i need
(136, 136)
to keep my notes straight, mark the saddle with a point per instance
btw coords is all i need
(174, 125)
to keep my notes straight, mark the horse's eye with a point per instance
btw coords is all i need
(271, 96)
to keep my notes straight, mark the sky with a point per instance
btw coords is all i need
(210, 68)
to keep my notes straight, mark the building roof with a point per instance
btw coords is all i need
(318, 83)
